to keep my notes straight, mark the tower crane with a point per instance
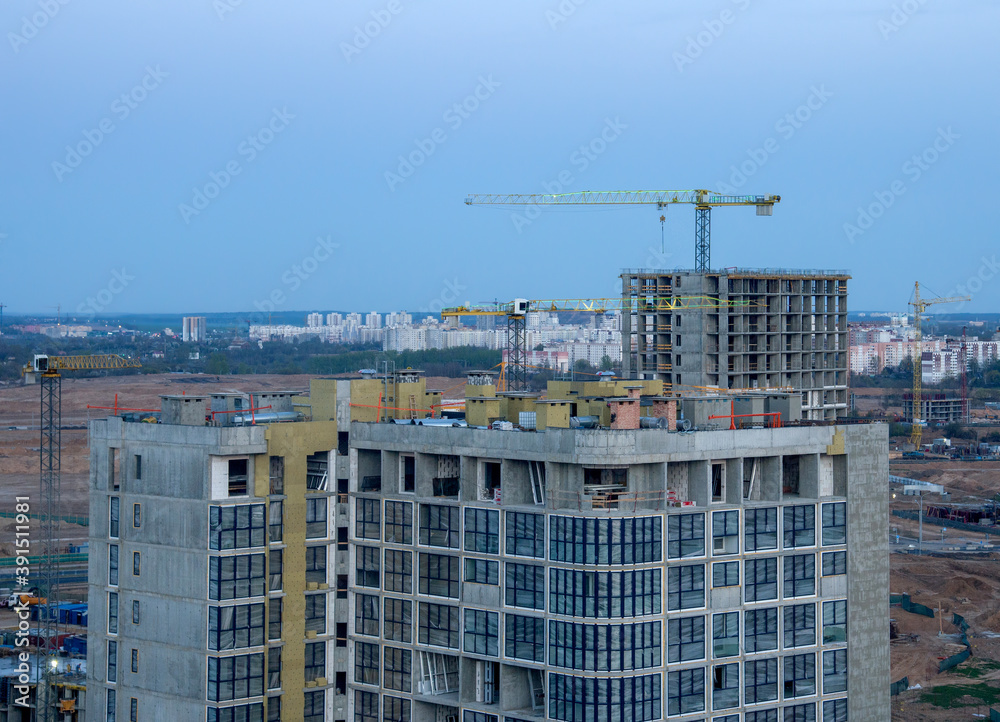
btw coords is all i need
(919, 306)
(702, 200)
(48, 371)
(516, 313)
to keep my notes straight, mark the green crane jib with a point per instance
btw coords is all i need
(702, 200)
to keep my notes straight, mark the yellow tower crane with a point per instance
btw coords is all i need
(919, 306)
(47, 371)
(516, 312)
(702, 200)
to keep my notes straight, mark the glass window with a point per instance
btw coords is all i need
(398, 571)
(763, 715)
(399, 522)
(620, 698)
(575, 540)
(316, 564)
(605, 595)
(136, 563)
(236, 577)
(800, 675)
(834, 671)
(275, 521)
(398, 669)
(799, 526)
(366, 668)
(245, 712)
(439, 575)
(482, 571)
(112, 661)
(112, 612)
(439, 526)
(835, 710)
(725, 686)
(835, 621)
(236, 527)
(760, 681)
(482, 635)
(398, 620)
(835, 523)
(685, 639)
(114, 514)
(365, 706)
(137, 515)
(800, 575)
(761, 529)
(800, 625)
(834, 563)
(686, 691)
(524, 534)
(367, 518)
(524, 586)
(799, 713)
(111, 706)
(316, 613)
(315, 660)
(235, 677)
(725, 532)
(760, 629)
(395, 709)
(606, 647)
(366, 615)
(438, 624)
(686, 587)
(726, 634)
(316, 517)
(273, 669)
(113, 565)
(274, 619)
(367, 566)
(482, 530)
(761, 579)
(524, 637)
(685, 536)
(274, 569)
(726, 574)
(235, 627)
(472, 716)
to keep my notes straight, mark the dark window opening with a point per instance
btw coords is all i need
(238, 477)
(343, 443)
(409, 473)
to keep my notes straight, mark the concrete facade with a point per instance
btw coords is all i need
(783, 530)
(771, 328)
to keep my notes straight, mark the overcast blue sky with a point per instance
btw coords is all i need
(201, 155)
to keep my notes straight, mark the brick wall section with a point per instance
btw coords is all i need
(626, 412)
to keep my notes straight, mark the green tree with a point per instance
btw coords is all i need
(217, 364)
(606, 363)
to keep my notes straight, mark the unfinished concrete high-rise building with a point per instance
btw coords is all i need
(752, 328)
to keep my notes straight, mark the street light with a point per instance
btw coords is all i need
(912, 489)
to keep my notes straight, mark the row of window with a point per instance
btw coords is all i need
(610, 647)
(585, 700)
(582, 593)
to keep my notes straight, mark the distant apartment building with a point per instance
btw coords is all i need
(193, 329)
(314, 320)
(741, 328)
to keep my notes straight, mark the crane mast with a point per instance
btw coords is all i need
(47, 370)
